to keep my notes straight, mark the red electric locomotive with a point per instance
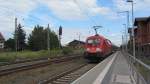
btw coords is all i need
(97, 47)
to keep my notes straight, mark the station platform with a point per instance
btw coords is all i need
(121, 73)
(112, 70)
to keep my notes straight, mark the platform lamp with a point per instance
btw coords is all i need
(127, 26)
(132, 3)
(126, 36)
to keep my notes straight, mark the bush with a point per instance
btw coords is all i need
(67, 50)
(7, 57)
(27, 55)
(24, 55)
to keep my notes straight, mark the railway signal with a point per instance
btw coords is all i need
(60, 30)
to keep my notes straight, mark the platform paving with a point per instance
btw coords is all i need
(113, 70)
(121, 73)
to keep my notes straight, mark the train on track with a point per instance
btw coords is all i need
(97, 48)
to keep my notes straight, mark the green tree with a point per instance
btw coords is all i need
(20, 37)
(38, 39)
(10, 44)
(54, 42)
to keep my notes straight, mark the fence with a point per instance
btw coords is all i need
(140, 71)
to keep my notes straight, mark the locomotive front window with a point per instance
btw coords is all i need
(93, 41)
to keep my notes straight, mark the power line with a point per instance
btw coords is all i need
(84, 12)
(13, 11)
(96, 26)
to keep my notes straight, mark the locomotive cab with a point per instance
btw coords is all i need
(93, 45)
(93, 48)
(96, 48)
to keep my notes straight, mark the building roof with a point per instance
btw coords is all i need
(139, 19)
(74, 42)
(1, 37)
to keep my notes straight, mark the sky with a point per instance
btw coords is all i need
(77, 17)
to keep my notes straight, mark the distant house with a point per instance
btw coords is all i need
(76, 44)
(2, 40)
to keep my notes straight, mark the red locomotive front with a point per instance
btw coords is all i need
(97, 47)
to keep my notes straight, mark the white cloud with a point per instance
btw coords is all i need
(115, 38)
(17, 7)
(139, 5)
(63, 9)
(70, 34)
(76, 9)
(9, 9)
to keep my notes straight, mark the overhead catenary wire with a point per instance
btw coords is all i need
(89, 17)
(84, 12)
(17, 14)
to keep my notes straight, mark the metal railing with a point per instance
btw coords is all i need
(139, 70)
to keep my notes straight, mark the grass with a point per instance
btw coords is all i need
(146, 61)
(25, 55)
(143, 71)
(14, 56)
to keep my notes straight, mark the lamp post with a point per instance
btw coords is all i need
(127, 12)
(131, 1)
(123, 43)
(126, 27)
(125, 37)
(48, 38)
(16, 42)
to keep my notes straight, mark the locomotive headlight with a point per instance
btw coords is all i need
(98, 50)
(88, 49)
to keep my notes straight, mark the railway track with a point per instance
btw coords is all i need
(68, 76)
(42, 63)
(29, 60)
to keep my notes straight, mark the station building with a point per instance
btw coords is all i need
(2, 40)
(142, 34)
(76, 44)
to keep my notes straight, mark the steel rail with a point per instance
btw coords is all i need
(52, 79)
(36, 65)
(31, 60)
